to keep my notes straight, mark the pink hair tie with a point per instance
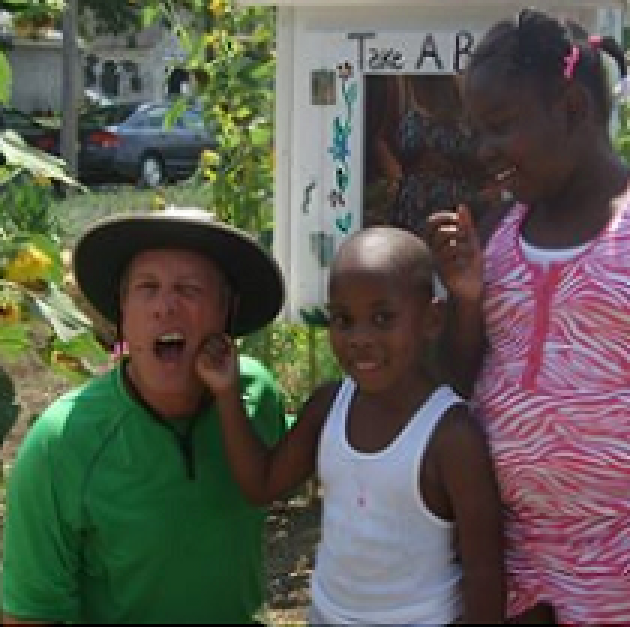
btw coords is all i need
(595, 41)
(570, 61)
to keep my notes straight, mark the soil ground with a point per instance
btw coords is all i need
(292, 525)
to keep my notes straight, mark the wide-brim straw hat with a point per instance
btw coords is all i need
(103, 253)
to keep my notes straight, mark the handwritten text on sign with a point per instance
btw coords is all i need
(413, 52)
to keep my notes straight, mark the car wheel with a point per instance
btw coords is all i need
(151, 171)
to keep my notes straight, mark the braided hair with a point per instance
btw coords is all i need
(551, 51)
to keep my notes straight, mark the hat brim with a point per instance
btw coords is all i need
(104, 252)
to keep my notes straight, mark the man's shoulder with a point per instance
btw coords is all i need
(84, 413)
(70, 433)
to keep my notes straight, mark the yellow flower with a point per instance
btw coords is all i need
(9, 311)
(217, 7)
(210, 158)
(29, 265)
(158, 202)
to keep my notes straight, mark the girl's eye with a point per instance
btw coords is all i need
(339, 321)
(383, 319)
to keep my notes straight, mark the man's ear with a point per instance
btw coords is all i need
(232, 309)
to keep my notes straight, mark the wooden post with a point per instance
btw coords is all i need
(70, 87)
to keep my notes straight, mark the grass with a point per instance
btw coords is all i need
(77, 211)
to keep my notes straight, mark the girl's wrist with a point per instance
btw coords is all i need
(470, 301)
(228, 397)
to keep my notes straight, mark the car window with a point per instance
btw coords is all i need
(192, 120)
(13, 119)
(106, 115)
(152, 118)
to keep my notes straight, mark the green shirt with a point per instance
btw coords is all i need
(112, 519)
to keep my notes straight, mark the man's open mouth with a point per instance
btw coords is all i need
(170, 346)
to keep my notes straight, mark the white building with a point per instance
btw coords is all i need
(112, 68)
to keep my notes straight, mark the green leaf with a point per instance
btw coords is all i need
(175, 111)
(264, 71)
(261, 136)
(64, 304)
(17, 152)
(60, 312)
(5, 79)
(150, 13)
(315, 317)
(84, 345)
(14, 340)
(242, 112)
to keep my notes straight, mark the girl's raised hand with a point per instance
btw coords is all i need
(217, 364)
(457, 252)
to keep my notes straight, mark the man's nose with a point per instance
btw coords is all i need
(166, 302)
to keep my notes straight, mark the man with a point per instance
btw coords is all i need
(121, 508)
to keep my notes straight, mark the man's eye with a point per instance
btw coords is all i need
(146, 286)
(190, 290)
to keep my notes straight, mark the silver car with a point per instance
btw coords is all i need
(133, 142)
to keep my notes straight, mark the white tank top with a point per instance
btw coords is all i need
(383, 558)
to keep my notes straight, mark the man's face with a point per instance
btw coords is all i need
(171, 300)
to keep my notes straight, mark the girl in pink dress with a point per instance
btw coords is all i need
(544, 311)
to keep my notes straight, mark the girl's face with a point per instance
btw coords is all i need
(379, 328)
(523, 138)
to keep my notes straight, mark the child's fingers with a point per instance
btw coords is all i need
(454, 257)
(451, 237)
(453, 230)
(436, 222)
(446, 225)
(216, 348)
(465, 218)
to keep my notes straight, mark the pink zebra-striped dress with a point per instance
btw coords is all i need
(554, 394)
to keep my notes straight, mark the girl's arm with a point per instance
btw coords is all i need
(390, 166)
(465, 470)
(459, 260)
(264, 474)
